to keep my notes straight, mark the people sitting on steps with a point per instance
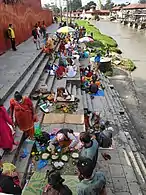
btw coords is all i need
(55, 185)
(66, 139)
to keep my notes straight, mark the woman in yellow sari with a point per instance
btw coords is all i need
(49, 45)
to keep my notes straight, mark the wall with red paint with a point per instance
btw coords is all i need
(23, 18)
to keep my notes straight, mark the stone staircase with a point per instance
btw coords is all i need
(29, 80)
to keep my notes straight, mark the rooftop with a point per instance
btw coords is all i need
(136, 6)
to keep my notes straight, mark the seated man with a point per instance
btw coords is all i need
(64, 138)
(90, 182)
(93, 88)
(90, 147)
(55, 185)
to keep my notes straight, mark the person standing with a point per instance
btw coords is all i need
(11, 36)
(43, 29)
(6, 137)
(23, 111)
(36, 37)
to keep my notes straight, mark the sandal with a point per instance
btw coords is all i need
(106, 156)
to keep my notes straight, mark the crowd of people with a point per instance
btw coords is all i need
(22, 114)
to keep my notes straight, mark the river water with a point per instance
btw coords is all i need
(133, 44)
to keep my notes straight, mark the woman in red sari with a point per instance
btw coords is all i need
(6, 137)
(60, 72)
(22, 109)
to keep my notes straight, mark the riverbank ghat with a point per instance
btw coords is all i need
(103, 44)
(66, 107)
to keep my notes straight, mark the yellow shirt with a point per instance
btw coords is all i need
(12, 33)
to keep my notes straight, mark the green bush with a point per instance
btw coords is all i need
(128, 64)
(98, 36)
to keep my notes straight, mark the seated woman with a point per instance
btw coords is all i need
(9, 183)
(62, 46)
(71, 71)
(90, 73)
(60, 72)
(90, 182)
(64, 138)
(49, 45)
(90, 147)
(55, 185)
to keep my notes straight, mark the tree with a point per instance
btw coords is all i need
(89, 5)
(108, 5)
(55, 9)
(142, 1)
(65, 9)
(75, 4)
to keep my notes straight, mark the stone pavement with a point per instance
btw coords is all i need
(13, 64)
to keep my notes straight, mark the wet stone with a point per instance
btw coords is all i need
(120, 185)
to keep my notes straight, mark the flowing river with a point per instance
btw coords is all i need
(132, 42)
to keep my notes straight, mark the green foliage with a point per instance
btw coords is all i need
(75, 4)
(128, 64)
(98, 36)
(108, 5)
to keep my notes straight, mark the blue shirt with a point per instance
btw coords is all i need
(97, 59)
(92, 186)
(91, 151)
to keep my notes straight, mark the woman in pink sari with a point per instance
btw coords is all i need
(6, 137)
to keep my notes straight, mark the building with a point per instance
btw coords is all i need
(134, 12)
(117, 12)
(89, 14)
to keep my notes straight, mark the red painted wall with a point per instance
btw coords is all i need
(23, 18)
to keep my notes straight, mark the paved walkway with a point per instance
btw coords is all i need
(13, 64)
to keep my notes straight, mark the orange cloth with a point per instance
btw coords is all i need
(65, 143)
(23, 115)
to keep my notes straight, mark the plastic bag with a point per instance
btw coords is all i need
(37, 128)
(8, 168)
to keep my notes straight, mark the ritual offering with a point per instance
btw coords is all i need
(45, 108)
(75, 155)
(49, 149)
(58, 165)
(55, 156)
(64, 158)
(45, 156)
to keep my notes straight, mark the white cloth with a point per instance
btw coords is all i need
(71, 71)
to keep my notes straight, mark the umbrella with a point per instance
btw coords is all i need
(65, 29)
(86, 39)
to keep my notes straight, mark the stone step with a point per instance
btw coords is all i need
(89, 103)
(69, 87)
(38, 76)
(18, 137)
(58, 83)
(80, 104)
(50, 82)
(125, 126)
(26, 68)
(74, 90)
(23, 163)
(25, 80)
(84, 100)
